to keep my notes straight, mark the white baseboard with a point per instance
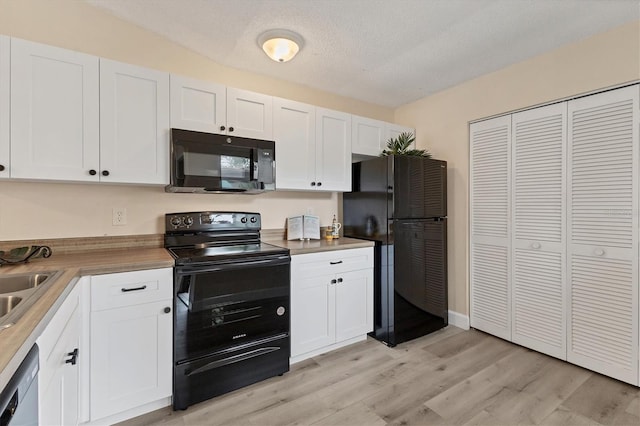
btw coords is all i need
(459, 320)
(134, 412)
(325, 349)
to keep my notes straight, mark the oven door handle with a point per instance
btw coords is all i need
(191, 269)
(233, 359)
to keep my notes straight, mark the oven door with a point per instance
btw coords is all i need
(228, 304)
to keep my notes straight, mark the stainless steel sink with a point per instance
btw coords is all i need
(13, 283)
(7, 303)
(18, 292)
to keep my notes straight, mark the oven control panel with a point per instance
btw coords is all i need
(212, 221)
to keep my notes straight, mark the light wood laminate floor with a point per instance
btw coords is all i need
(449, 377)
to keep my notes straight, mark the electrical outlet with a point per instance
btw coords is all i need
(119, 216)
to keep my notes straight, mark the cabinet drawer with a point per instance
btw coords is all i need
(131, 288)
(331, 262)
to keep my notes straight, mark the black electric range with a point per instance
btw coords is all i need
(231, 304)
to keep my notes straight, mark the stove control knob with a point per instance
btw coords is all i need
(254, 219)
(176, 221)
(188, 221)
(244, 219)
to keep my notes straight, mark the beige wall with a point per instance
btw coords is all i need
(50, 210)
(441, 120)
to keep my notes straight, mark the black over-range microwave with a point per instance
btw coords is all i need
(206, 162)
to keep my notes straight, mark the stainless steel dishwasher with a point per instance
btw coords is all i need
(19, 400)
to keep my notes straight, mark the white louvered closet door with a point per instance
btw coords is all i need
(603, 233)
(538, 296)
(490, 226)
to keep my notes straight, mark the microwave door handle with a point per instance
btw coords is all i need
(254, 172)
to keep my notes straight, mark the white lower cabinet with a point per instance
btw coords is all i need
(131, 341)
(60, 357)
(331, 300)
(5, 106)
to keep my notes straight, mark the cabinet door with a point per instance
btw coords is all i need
(490, 226)
(394, 130)
(249, 114)
(603, 233)
(368, 136)
(354, 304)
(333, 150)
(59, 399)
(294, 129)
(131, 357)
(198, 105)
(58, 389)
(54, 113)
(5, 106)
(313, 313)
(539, 246)
(134, 124)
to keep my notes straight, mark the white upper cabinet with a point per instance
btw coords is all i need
(368, 136)
(313, 147)
(539, 245)
(333, 150)
(603, 232)
(491, 226)
(54, 113)
(249, 114)
(134, 124)
(209, 107)
(5, 106)
(294, 130)
(198, 105)
(393, 131)
(77, 118)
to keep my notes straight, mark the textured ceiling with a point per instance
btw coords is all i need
(387, 52)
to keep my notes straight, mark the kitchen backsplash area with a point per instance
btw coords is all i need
(35, 210)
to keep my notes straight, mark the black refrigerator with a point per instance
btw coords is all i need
(400, 203)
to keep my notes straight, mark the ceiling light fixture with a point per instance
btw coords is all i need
(280, 45)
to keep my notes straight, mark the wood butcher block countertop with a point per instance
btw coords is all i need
(16, 341)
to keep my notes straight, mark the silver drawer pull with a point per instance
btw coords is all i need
(125, 290)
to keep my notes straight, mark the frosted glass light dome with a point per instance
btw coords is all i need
(280, 45)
